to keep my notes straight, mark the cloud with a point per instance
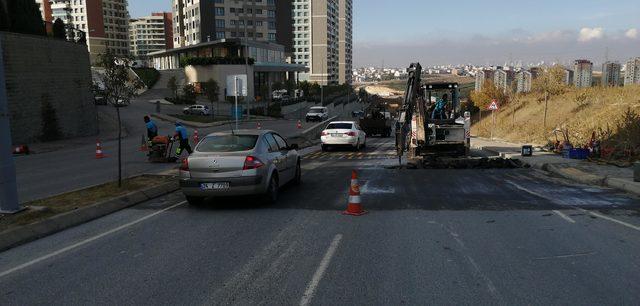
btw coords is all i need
(631, 33)
(588, 34)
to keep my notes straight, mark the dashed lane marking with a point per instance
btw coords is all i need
(322, 268)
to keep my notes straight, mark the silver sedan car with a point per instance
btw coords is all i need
(244, 162)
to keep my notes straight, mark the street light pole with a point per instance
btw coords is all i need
(246, 56)
(8, 186)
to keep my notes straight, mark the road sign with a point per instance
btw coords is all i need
(240, 86)
(494, 105)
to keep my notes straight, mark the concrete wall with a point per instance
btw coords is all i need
(201, 74)
(42, 69)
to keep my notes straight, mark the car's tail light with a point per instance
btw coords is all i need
(252, 163)
(185, 165)
(351, 134)
(324, 133)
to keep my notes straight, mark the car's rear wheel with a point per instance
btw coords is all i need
(195, 200)
(325, 148)
(271, 196)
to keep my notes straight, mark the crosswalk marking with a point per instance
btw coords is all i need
(351, 156)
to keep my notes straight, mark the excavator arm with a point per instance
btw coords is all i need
(410, 126)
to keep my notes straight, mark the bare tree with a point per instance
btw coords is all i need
(549, 83)
(212, 92)
(119, 89)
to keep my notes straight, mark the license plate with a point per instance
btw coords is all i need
(337, 135)
(214, 186)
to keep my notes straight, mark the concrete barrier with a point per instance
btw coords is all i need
(310, 136)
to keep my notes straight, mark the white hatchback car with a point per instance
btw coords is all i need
(343, 133)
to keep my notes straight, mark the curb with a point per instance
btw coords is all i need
(192, 124)
(26, 233)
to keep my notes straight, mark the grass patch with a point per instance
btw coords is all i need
(149, 76)
(77, 199)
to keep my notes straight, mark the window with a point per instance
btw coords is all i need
(340, 126)
(219, 23)
(281, 142)
(219, 11)
(227, 143)
(273, 145)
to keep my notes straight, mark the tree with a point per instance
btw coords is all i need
(277, 86)
(189, 93)
(549, 83)
(25, 17)
(118, 91)
(362, 94)
(212, 92)
(290, 86)
(50, 128)
(173, 85)
(489, 92)
(59, 30)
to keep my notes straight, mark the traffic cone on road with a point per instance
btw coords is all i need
(196, 139)
(259, 126)
(299, 125)
(143, 145)
(99, 153)
(354, 208)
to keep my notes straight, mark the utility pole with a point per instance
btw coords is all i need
(8, 186)
(246, 56)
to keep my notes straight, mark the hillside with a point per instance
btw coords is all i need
(610, 112)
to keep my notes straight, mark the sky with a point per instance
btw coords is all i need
(488, 32)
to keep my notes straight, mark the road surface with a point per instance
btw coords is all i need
(496, 236)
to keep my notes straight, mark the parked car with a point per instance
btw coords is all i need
(317, 113)
(197, 109)
(343, 133)
(244, 162)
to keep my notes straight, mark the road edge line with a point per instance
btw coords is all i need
(322, 268)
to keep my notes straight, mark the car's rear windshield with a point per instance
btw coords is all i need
(339, 126)
(315, 111)
(227, 143)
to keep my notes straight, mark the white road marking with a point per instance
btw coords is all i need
(565, 256)
(86, 241)
(563, 216)
(595, 214)
(317, 277)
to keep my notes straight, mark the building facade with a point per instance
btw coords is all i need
(568, 76)
(611, 74)
(150, 34)
(322, 40)
(632, 73)
(582, 73)
(524, 79)
(198, 21)
(503, 79)
(104, 22)
(482, 76)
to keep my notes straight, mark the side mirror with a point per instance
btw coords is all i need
(294, 146)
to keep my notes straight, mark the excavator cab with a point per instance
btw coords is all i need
(442, 102)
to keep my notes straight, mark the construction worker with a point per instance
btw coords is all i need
(183, 136)
(439, 109)
(152, 128)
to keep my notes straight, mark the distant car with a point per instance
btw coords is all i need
(244, 162)
(357, 114)
(197, 109)
(343, 133)
(99, 100)
(317, 113)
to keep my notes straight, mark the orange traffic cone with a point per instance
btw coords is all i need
(354, 208)
(299, 125)
(258, 126)
(143, 145)
(99, 153)
(196, 139)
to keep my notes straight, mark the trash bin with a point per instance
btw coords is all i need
(636, 172)
(527, 150)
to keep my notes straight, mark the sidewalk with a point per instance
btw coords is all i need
(581, 171)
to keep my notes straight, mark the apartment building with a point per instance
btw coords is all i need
(583, 73)
(104, 22)
(524, 79)
(632, 73)
(568, 76)
(322, 40)
(503, 79)
(482, 76)
(150, 34)
(611, 73)
(198, 21)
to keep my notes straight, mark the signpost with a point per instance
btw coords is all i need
(493, 107)
(239, 85)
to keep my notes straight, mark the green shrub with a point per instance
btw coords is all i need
(205, 61)
(50, 128)
(149, 76)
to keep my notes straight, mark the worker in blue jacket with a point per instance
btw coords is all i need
(152, 128)
(438, 110)
(183, 136)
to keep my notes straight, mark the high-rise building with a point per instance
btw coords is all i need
(583, 73)
(524, 79)
(568, 76)
(197, 21)
(322, 39)
(632, 73)
(503, 79)
(150, 34)
(105, 23)
(611, 74)
(482, 76)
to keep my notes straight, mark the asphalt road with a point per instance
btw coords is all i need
(496, 236)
